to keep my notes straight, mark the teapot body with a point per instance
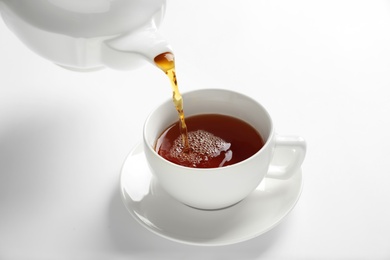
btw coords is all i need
(72, 33)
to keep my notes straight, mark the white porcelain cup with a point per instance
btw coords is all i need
(216, 188)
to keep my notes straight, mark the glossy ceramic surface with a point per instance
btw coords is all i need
(154, 209)
(91, 34)
(216, 188)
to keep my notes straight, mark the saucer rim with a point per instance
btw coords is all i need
(205, 243)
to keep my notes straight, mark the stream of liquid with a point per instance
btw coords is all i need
(166, 62)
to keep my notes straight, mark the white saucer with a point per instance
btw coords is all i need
(153, 208)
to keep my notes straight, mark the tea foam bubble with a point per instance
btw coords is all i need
(204, 146)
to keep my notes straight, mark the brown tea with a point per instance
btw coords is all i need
(214, 141)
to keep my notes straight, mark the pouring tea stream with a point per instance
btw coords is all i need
(92, 34)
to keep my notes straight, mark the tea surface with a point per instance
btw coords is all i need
(214, 141)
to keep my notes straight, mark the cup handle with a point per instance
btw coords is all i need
(298, 146)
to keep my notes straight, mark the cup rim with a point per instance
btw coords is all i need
(217, 169)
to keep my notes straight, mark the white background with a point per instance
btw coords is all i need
(322, 68)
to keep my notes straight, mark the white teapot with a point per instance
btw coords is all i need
(89, 34)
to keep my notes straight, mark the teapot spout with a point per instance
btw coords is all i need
(130, 50)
